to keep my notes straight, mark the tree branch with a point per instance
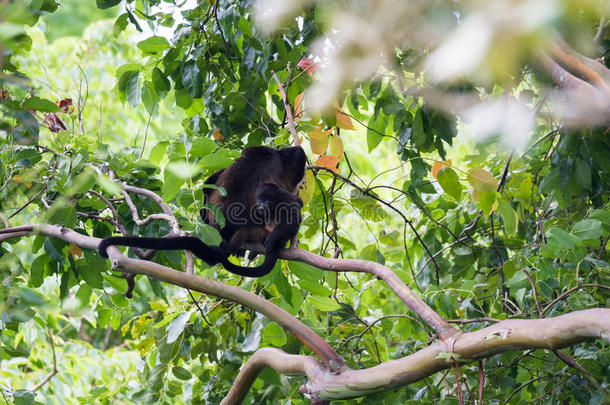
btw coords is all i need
(293, 130)
(122, 263)
(516, 334)
(438, 324)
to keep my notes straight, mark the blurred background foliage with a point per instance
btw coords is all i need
(468, 183)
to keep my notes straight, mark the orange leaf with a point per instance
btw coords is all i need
(308, 65)
(436, 167)
(336, 146)
(344, 121)
(75, 250)
(328, 161)
(318, 140)
(217, 136)
(298, 106)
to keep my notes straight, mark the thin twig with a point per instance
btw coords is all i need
(291, 127)
(534, 291)
(574, 364)
(570, 291)
(54, 371)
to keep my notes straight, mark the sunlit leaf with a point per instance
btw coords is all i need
(153, 45)
(318, 141)
(344, 121)
(308, 187)
(328, 161)
(482, 180)
(449, 181)
(40, 104)
(437, 166)
(336, 146)
(509, 216)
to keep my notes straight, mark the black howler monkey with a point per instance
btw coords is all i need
(260, 207)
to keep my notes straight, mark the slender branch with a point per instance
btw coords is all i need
(574, 364)
(53, 371)
(570, 291)
(438, 324)
(293, 130)
(534, 291)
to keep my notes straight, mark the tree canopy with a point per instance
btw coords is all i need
(456, 218)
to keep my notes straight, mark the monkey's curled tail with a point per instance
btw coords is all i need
(210, 254)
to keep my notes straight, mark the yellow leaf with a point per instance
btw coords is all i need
(436, 167)
(344, 121)
(328, 161)
(336, 146)
(307, 188)
(482, 180)
(318, 140)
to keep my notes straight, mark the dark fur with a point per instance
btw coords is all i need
(260, 207)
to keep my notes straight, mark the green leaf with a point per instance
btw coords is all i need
(273, 334)
(214, 161)
(119, 300)
(210, 235)
(157, 153)
(587, 229)
(153, 45)
(120, 24)
(83, 182)
(582, 172)
(83, 294)
(487, 201)
(37, 271)
(306, 271)
(103, 4)
(160, 81)
(509, 216)
(171, 185)
(325, 304)
(110, 186)
(560, 238)
(192, 79)
(133, 88)
(181, 373)
(182, 169)
(30, 297)
(375, 130)
(91, 274)
(418, 133)
(202, 147)
(449, 181)
(314, 287)
(40, 104)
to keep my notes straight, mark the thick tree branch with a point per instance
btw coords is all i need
(278, 360)
(193, 282)
(578, 65)
(551, 333)
(341, 382)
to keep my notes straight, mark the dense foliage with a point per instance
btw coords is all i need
(161, 96)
